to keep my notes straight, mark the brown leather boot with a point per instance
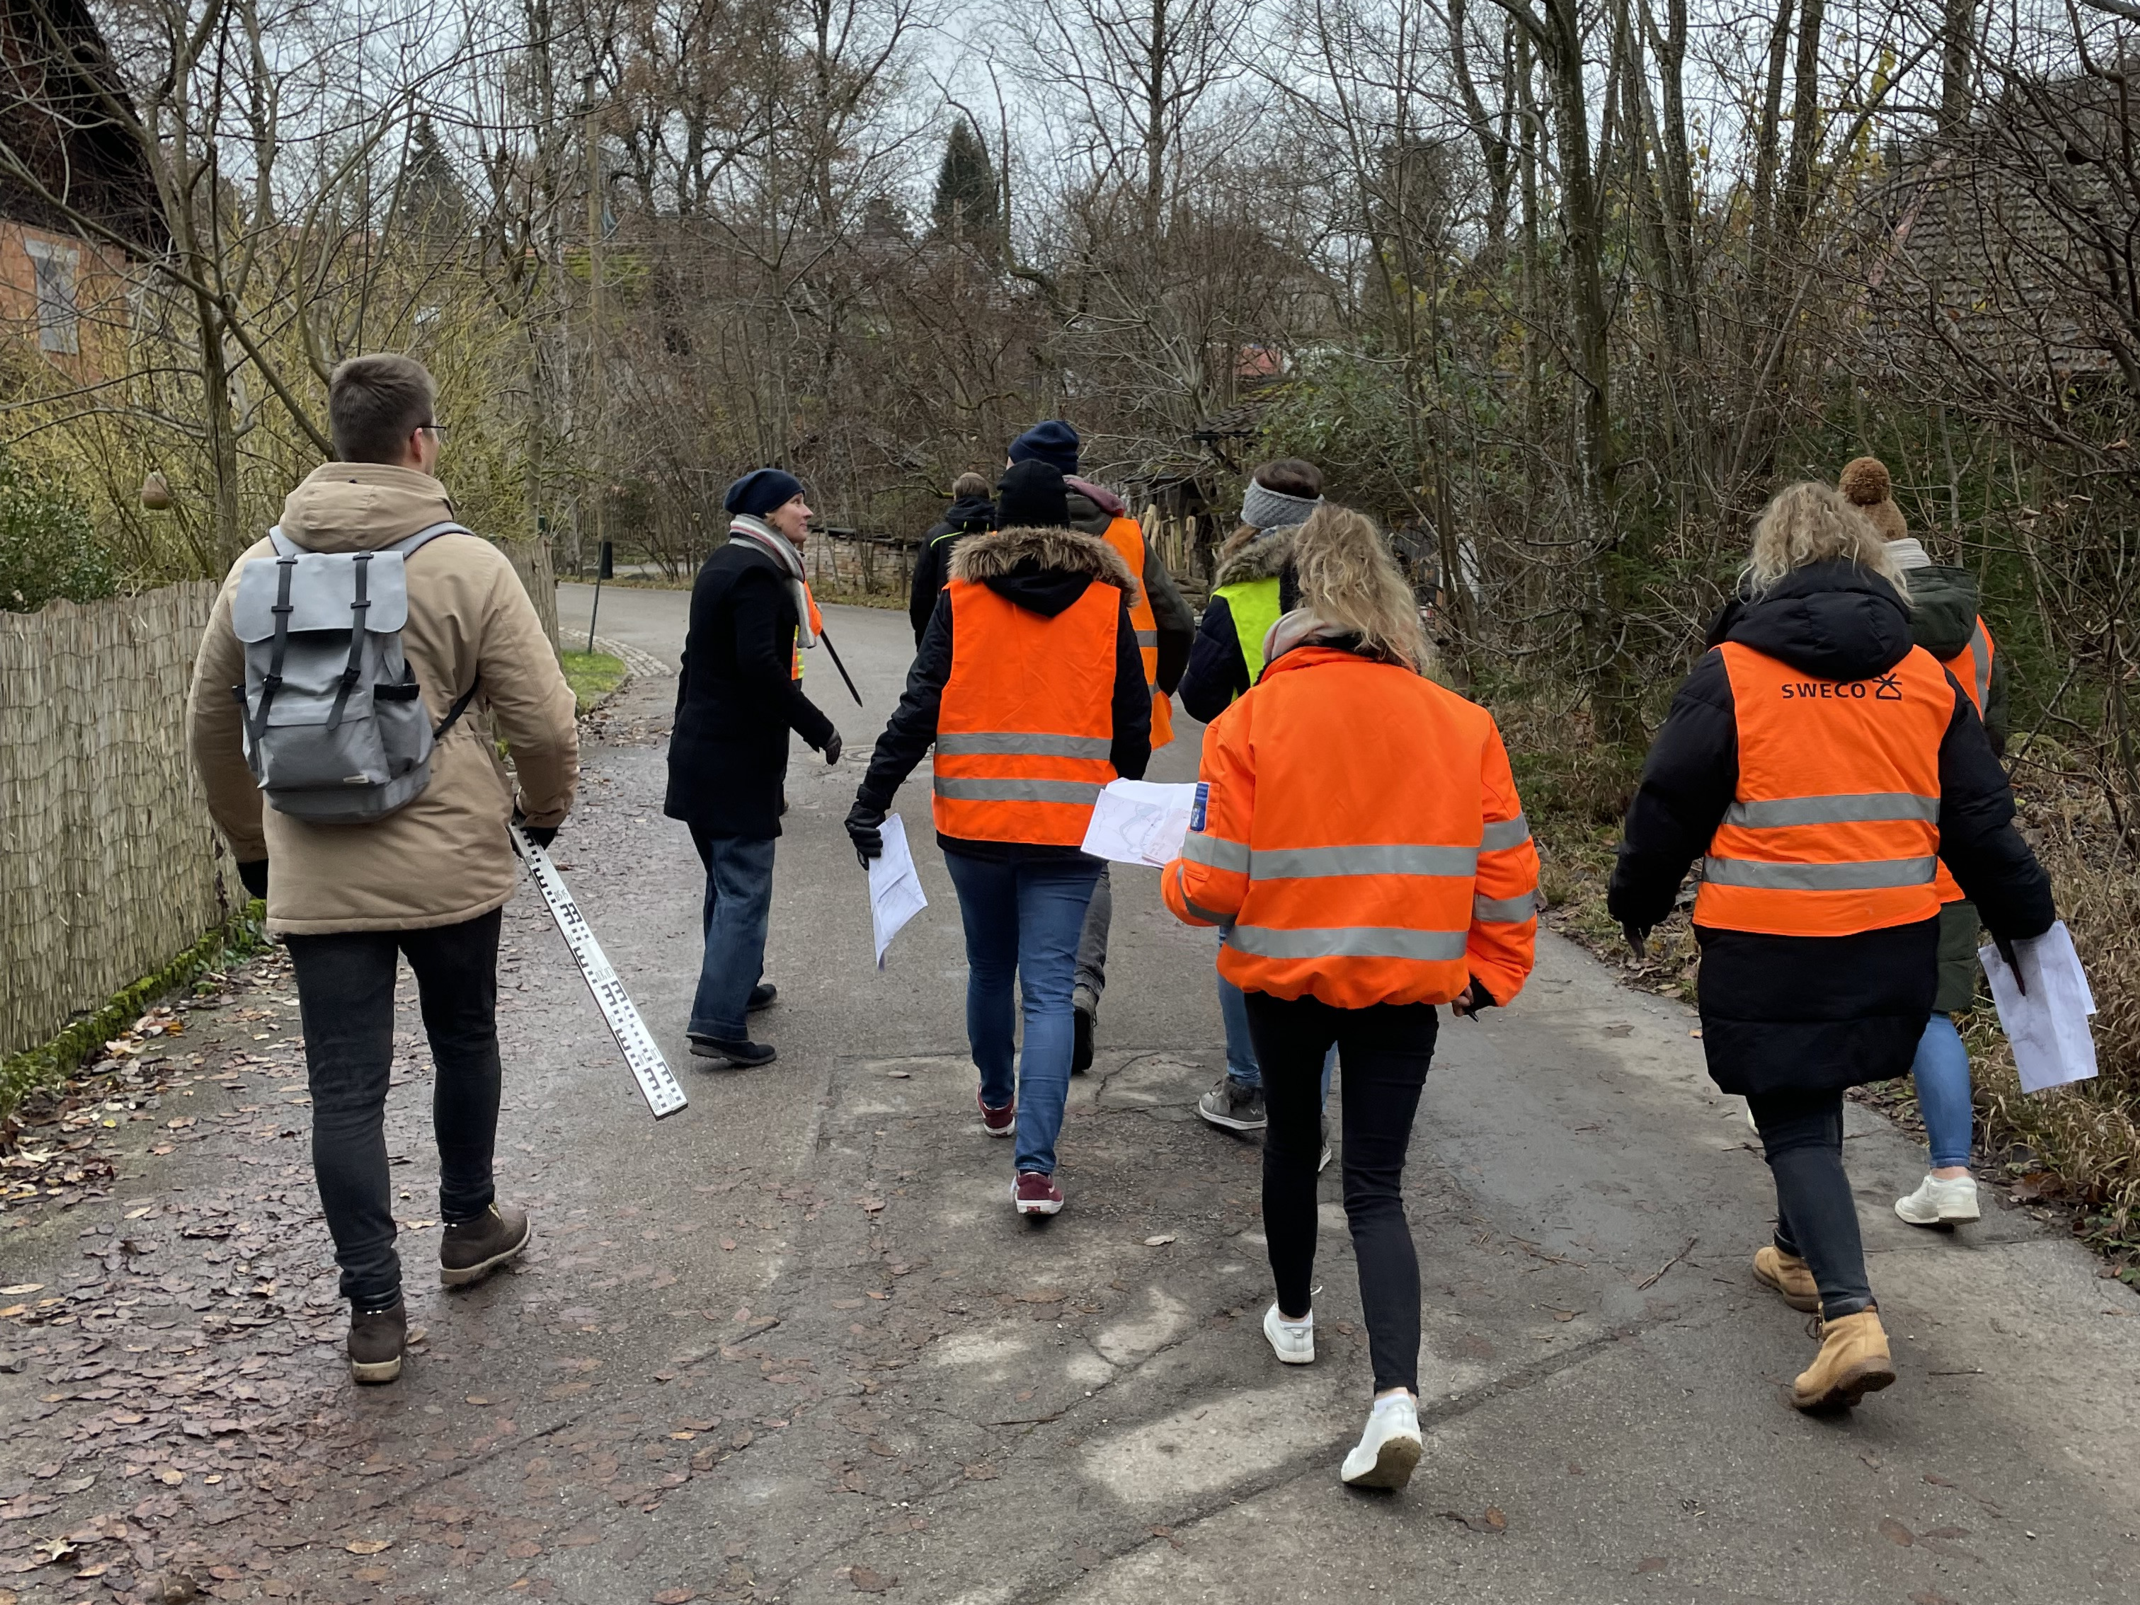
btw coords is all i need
(1853, 1361)
(1788, 1275)
(376, 1341)
(471, 1249)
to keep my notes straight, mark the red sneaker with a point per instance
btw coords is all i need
(998, 1122)
(1034, 1193)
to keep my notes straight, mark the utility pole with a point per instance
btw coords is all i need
(597, 378)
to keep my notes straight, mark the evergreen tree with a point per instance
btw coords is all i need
(966, 200)
(432, 200)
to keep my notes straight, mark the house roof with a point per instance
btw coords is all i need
(64, 114)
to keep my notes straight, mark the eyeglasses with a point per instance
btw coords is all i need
(436, 429)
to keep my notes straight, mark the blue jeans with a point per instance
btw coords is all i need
(1022, 922)
(1241, 1066)
(739, 902)
(1941, 1072)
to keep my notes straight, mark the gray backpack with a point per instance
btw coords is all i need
(336, 730)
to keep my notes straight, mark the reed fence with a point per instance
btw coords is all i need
(108, 864)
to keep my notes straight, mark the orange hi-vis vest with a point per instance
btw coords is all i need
(1358, 839)
(1834, 828)
(1126, 536)
(1025, 731)
(1971, 668)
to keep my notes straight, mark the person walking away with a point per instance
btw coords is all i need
(1165, 628)
(971, 513)
(739, 694)
(1944, 621)
(1253, 585)
(426, 881)
(1359, 843)
(1820, 766)
(1030, 686)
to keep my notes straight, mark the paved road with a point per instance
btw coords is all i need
(792, 1343)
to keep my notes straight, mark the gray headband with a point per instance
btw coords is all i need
(1264, 508)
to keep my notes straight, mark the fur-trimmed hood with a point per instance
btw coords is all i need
(1264, 558)
(1042, 570)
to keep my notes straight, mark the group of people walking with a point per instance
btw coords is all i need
(1357, 841)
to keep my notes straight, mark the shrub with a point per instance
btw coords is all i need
(48, 549)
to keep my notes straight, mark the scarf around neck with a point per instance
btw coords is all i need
(744, 530)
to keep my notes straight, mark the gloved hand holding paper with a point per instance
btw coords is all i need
(895, 894)
(1140, 822)
(2047, 1023)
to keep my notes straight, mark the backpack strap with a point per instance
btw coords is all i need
(271, 682)
(361, 568)
(428, 534)
(460, 706)
(284, 546)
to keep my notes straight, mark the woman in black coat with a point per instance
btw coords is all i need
(1821, 991)
(739, 694)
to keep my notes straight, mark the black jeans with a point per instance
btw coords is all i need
(1816, 1218)
(1383, 1052)
(345, 993)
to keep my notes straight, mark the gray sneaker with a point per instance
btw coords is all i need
(1233, 1107)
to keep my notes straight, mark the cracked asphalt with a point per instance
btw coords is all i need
(792, 1343)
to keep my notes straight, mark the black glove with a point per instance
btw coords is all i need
(537, 835)
(2005, 945)
(1480, 999)
(253, 877)
(831, 749)
(862, 823)
(1638, 938)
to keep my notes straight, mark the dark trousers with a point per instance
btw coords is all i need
(734, 918)
(1816, 1218)
(345, 995)
(1384, 1052)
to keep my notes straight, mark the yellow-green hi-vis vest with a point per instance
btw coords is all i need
(1254, 606)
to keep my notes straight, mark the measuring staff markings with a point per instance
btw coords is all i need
(648, 1067)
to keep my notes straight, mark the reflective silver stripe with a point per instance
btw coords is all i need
(1347, 941)
(1286, 863)
(1148, 638)
(1863, 876)
(1503, 910)
(1215, 852)
(1181, 885)
(1865, 807)
(1020, 744)
(1980, 660)
(1502, 833)
(974, 788)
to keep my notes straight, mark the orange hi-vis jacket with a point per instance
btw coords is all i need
(1971, 668)
(1834, 828)
(1026, 727)
(1358, 839)
(1126, 536)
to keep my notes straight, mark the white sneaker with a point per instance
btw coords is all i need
(1292, 1341)
(1389, 1448)
(1937, 1202)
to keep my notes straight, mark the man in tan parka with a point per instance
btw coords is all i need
(427, 881)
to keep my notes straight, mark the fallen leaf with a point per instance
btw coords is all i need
(22, 1287)
(1895, 1533)
(1160, 1241)
(523, 1549)
(1496, 1520)
(367, 1546)
(871, 1206)
(1649, 1563)
(676, 1596)
(869, 1582)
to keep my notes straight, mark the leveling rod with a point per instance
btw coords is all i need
(648, 1067)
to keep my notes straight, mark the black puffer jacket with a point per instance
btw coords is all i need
(1784, 1013)
(737, 698)
(969, 515)
(1043, 571)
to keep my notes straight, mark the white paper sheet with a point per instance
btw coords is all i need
(2048, 1025)
(1140, 822)
(895, 894)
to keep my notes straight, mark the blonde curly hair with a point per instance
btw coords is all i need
(1809, 523)
(1348, 579)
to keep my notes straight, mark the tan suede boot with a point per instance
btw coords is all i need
(1788, 1275)
(1853, 1361)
